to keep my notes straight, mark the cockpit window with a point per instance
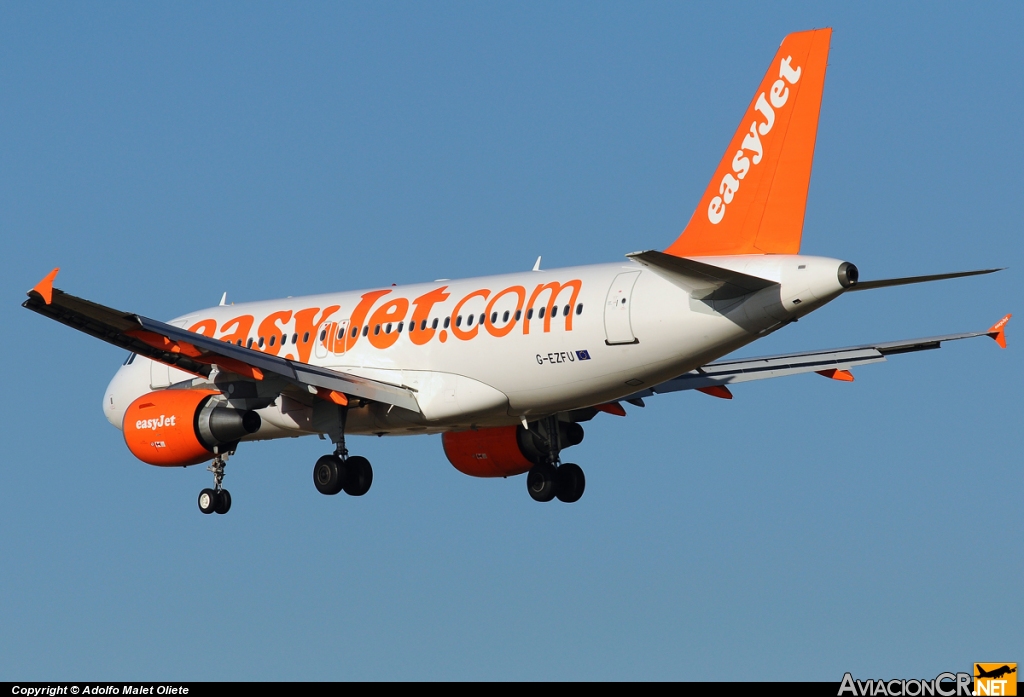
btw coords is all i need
(131, 357)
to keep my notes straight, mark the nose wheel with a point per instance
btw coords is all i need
(217, 499)
(213, 501)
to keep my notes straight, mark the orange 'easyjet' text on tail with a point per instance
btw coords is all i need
(756, 200)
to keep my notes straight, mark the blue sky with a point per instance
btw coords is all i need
(162, 155)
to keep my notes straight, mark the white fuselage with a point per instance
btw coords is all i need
(607, 331)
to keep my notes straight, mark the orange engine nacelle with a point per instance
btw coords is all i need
(175, 428)
(503, 451)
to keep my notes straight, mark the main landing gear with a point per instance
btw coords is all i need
(335, 473)
(217, 499)
(549, 479)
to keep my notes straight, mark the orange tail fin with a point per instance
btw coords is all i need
(755, 202)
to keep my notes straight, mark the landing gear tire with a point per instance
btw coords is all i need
(223, 502)
(329, 475)
(360, 476)
(571, 483)
(541, 482)
(208, 501)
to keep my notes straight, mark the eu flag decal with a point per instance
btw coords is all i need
(583, 355)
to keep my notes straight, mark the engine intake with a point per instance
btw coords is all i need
(176, 428)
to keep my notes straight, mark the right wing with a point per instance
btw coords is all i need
(714, 378)
(197, 354)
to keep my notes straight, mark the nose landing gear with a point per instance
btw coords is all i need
(217, 499)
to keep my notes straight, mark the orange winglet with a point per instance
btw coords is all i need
(45, 286)
(998, 331)
(611, 408)
(720, 391)
(338, 398)
(837, 374)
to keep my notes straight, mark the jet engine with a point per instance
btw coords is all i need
(176, 428)
(504, 451)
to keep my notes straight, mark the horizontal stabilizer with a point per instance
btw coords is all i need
(702, 281)
(196, 353)
(886, 282)
(830, 362)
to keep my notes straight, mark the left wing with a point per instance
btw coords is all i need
(714, 378)
(197, 354)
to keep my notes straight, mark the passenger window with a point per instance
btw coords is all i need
(481, 318)
(272, 340)
(261, 342)
(355, 332)
(412, 327)
(469, 320)
(529, 313)
(366, 330)
(519, 315)
(239, 342)
(248, 344)
(447, 321)
(401, 325)
(423, 325)
(540, 313)
(341, 332)
(458, 321)
(323, 334)
(504, 317)
(305, 338)
(376, 330)
(295, 338)
(579, 309)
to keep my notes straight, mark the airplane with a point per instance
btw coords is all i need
(505, 367)
(995, 673)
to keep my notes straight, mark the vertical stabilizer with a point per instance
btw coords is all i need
(756, 200)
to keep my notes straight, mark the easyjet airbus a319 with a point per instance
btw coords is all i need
(505, 367)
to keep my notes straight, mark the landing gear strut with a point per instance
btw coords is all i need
(550, 479)
(339, 472)
(217, 499)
